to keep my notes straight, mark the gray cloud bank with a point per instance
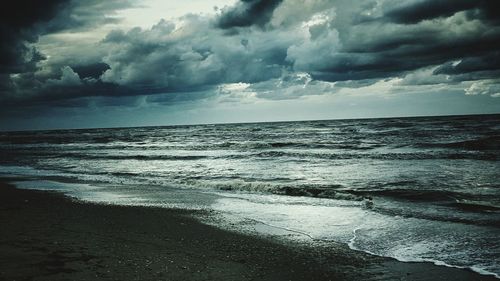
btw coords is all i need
(282, 48)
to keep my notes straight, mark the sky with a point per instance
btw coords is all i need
(119, 63)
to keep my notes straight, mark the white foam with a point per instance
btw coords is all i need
(405, 239)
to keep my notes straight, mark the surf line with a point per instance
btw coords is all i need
(285, 229)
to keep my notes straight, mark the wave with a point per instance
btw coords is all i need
(476, 206)
(485, 143)
(7, 155)
(134, 157)
(434, 205)
(107, 143)
(477, 269)
(329, 192)
(374, 156)
(413, 195)
(62, 138)
(306, 144)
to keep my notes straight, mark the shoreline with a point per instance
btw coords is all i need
(47, 236)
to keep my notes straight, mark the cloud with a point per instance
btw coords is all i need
(484, 87)
(485, 66)
(289, 86)
(21, 25)
(418, 11)
(278, 49)
(78, 15)
(92, 70)
(190, 55)
(68, 78)
(383, 48)
(425, 76)
(425, 10)
(23, 21)
(293, 12)
(319, 44)
(18, 27)
(247, 13)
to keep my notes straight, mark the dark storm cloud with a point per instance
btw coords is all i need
(94, 70)
(23, 21)
(247, 13)
(156, 61)
(431, 9)
(18, 20)
(84, 14)
(66, 91)
(398, 40)
(162, 59)
(488, 63)
(395, 54)
(425, 10)
(353, 43)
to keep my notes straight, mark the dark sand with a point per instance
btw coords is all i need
(46, 236)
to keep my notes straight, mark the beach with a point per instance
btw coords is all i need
(47, 236)
(250, 140)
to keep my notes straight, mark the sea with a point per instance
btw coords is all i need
(423, 189)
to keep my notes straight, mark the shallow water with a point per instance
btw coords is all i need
(417, 189)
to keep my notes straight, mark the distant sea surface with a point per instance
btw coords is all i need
(416, 189)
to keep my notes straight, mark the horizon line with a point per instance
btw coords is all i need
(245, 122)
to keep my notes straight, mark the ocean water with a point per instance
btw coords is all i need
(416, 189)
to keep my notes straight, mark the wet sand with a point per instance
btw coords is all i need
(46, 236)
